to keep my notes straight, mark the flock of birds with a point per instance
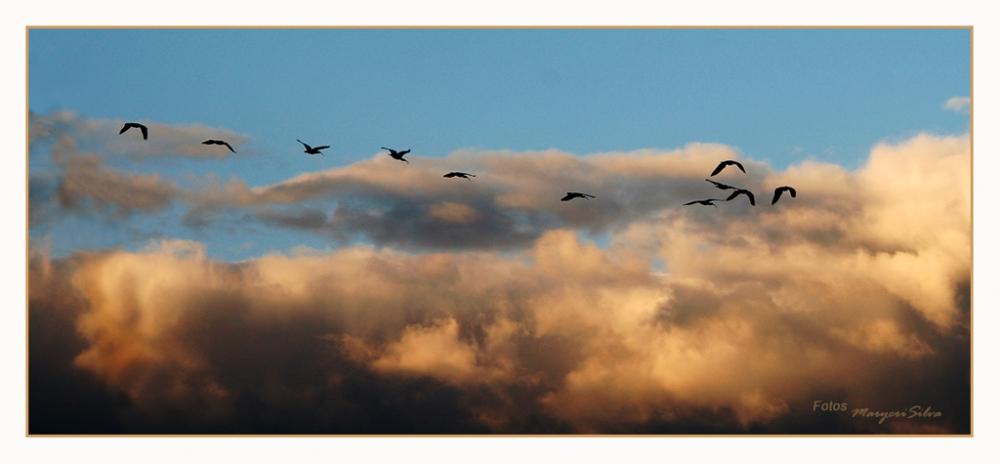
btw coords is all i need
(736, 190)
(398, 155)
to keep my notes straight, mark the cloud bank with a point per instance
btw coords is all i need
(857, 291)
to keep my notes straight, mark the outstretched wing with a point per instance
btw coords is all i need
(451, 174)
(692, 202)
(725, 163)
(777, 194)
(304, 144)
(569, 196)
(720, 185)
(719, 168)
(322, 147)
(142, 128)
(739, 192)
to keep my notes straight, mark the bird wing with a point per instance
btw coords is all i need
(403, 152)
(779, 190)
(124, 128)
(691, 202)
(737, 163)
(738, 192)
(720, 185)
(303, 144)
(569, 196)
(323, 147)
(451, 174)
(719, 168)
(777, 194)
(229, 146)
(145, 131)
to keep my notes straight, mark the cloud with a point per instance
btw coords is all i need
(957, 104)
(70, 171)
(513, 201)
(457, 213)
(857, 291)
(297, 219)
(101, 136)
(86, 184)
(76, 165)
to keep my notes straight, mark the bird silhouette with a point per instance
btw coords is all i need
(463, 175)
(739, 192)
(723, 165)
(571, 195)
(720, 185)
(778, 191)
(397, 154)
(311, 150)
(129, 125)
(218, 142)
(705, 202)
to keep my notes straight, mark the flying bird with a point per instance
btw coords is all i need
(705, 202)
(778, 191)
(218, 142)
(720, 185)
(723, 165)
(129, 125)
(571, 195)
(397, 154)
(463, 175)
(311, 150)
(739, 192)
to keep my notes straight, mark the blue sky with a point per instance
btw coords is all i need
(779, 96)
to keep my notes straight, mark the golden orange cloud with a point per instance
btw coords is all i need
(758, 310)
